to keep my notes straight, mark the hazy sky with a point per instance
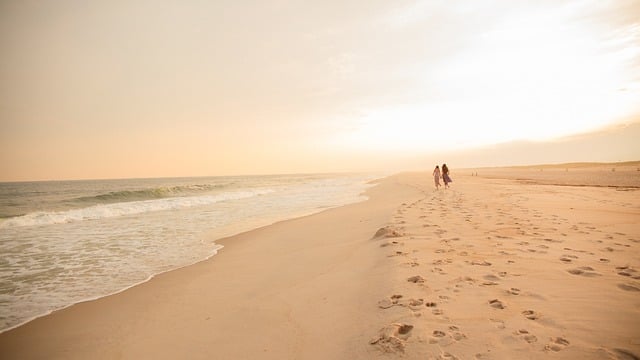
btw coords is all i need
(101, 89)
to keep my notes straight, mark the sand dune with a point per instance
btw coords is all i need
(618, 175)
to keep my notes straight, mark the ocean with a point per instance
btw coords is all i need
(64, 242)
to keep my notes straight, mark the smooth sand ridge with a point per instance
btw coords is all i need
(489, 269)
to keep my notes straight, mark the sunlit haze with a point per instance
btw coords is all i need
(162, 88)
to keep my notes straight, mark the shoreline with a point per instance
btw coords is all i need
(217, 246)
(98, 297)
(491, 268)
(155, 252)
(229, 245)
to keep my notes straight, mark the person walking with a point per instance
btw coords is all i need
(436, 176)
(445, 176)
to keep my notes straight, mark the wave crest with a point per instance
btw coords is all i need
(102, 211)
(152, 193)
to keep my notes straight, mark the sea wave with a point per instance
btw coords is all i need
(102, 211)
(151, 193)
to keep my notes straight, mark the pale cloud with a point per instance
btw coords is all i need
(288, 81)
(534, 71)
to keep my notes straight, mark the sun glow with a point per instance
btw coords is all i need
(533, 77)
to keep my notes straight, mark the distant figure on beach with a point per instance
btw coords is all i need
(445, 176)
(436, 176)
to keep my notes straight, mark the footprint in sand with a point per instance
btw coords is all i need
(514, 291)
(447, 356)
(491, 277)
(392, 300)
(398, 253)
(482, 356)
(526, 336)
(530, 314)
(416, 279)
(491, 280)
(391, 243)
(447, 338)
(586, 271)
(621, 245)
(627, 287)
(437, 312)
(467, 279)
(438, 270)
(627, 271)
(496, 304)
(442, 261)
(415, 304)
(396, 300)
(411, 264)
(456, 334)
(387, 232)
(568, 258)
(438, 334)
(481, 263)
(557, 344)
(392, 338)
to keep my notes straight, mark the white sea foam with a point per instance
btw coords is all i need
(103, 211)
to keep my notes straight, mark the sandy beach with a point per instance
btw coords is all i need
(508, 264)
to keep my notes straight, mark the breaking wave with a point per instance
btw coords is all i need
(102, 211)
(152, 193)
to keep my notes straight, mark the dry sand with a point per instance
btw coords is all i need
(493, 268)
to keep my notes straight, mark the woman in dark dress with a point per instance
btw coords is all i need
(445, 176)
